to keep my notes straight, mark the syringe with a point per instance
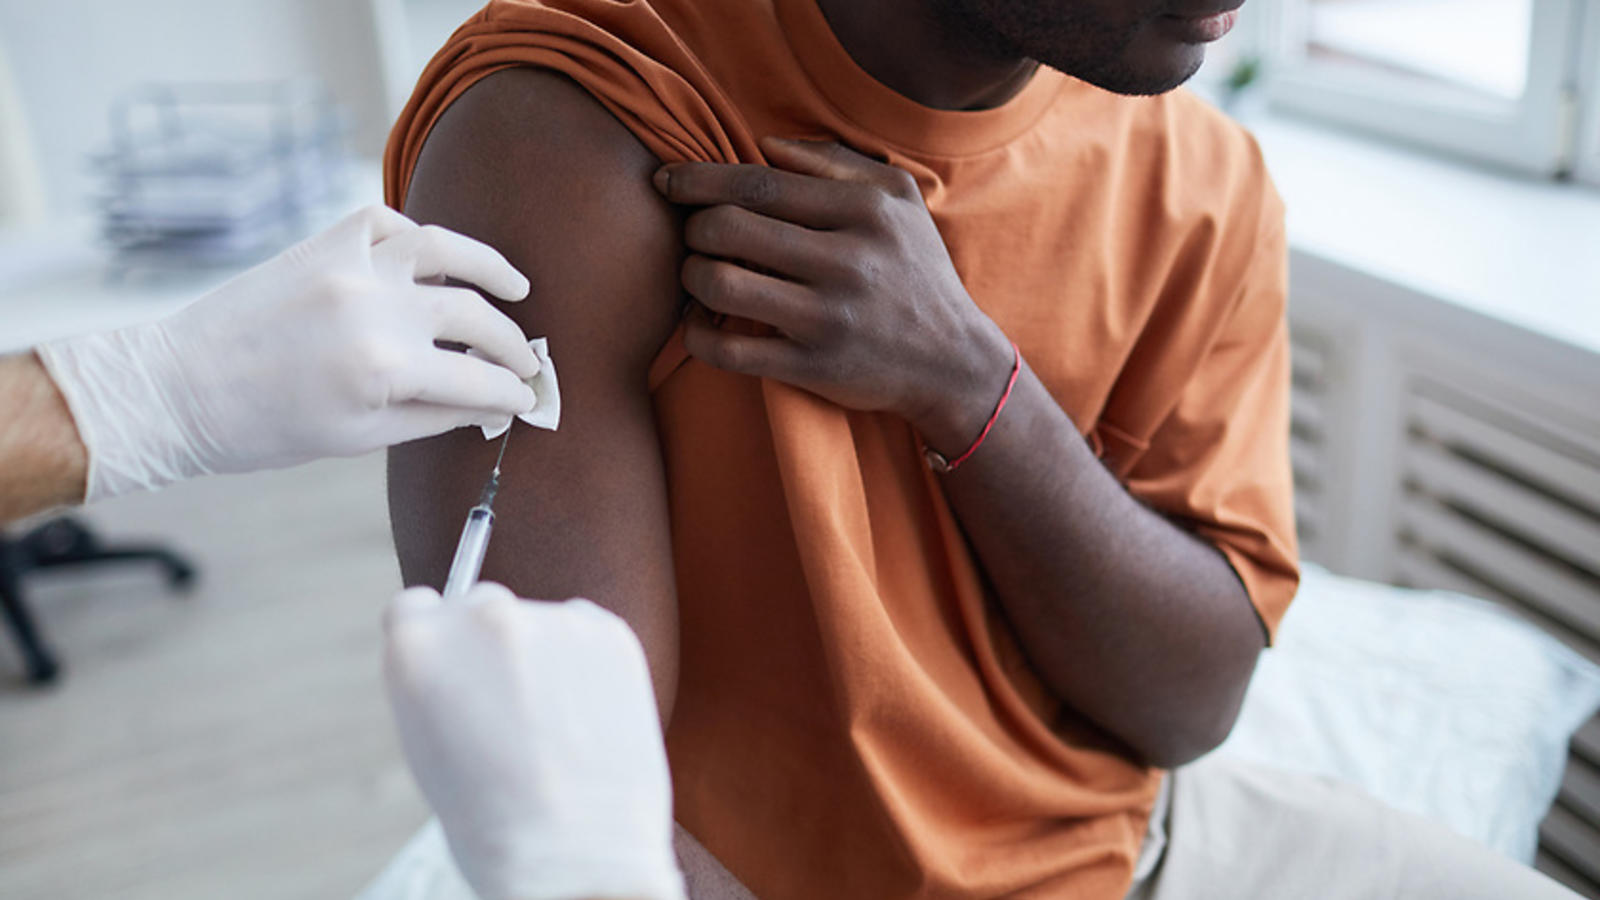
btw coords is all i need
(474, 541)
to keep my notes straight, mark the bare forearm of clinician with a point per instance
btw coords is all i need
(532, 165)
(43, 462)
(1135, 622)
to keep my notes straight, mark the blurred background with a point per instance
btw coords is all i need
(227, 737)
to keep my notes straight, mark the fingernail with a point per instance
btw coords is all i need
(662, 179)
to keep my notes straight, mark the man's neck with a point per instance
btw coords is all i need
(910, 46)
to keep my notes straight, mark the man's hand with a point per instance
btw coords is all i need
(531, 729)
(839, 254)
(328, 349)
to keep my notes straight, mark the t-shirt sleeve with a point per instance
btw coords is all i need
(623, 54)
(1219, 461)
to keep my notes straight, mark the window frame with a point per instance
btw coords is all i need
(1586, 80)
(1531, 134)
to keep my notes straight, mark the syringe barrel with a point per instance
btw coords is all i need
(469, 552)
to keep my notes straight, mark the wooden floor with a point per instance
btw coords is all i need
(230, 742)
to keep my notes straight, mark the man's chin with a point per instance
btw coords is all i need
(1141, 77)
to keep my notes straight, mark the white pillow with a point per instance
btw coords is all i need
(1444, 705)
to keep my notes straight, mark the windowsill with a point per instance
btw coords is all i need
(1511, 248)
(1397, 214)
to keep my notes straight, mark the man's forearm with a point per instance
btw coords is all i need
(1132, 621)
(43, 462)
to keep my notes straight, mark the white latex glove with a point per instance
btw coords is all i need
(531, 728)
(325, 350)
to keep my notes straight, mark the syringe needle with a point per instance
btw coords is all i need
(502, 455)
(474, 543)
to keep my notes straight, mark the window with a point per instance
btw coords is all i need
(1587, 164)
(1480, 46)
(1496, 80)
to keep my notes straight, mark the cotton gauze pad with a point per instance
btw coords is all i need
(546, 412)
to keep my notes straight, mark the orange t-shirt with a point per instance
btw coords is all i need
(854, 718)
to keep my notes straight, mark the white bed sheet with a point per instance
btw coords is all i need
(1444, 705)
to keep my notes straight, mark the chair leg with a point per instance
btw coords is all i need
(63, 542)
(180, 574)
(37, 660)
(67, 542)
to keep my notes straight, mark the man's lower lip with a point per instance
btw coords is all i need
(1203, 30)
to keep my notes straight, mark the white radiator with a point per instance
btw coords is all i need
(1307, 438)
(1500, 504)
(1436, 448)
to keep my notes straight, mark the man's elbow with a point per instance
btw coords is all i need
(1183, 742)
(1189, 726)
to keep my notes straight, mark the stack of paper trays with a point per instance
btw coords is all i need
(216, 173)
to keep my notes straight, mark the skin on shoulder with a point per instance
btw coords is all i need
(532, 165)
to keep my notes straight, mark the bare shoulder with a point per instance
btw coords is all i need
(529, 163)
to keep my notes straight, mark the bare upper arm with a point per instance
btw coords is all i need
(529, 163)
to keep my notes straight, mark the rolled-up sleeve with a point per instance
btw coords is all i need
(1219, 461)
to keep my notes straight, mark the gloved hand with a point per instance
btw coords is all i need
(325, 350)
(531, 728)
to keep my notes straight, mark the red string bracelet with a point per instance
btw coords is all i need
(937, 461)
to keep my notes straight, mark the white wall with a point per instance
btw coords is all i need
(21, 196)
(71, 58)
(430, 23)
(410, 32)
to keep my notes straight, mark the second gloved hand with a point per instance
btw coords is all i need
(531, 728)
(325, 350)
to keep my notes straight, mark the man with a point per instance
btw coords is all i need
(927, 611)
